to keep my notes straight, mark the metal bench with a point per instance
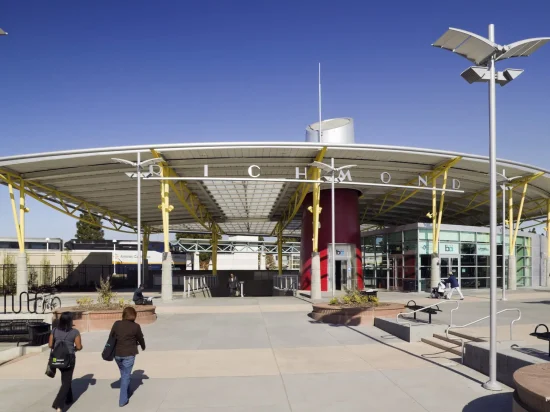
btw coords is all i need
(542, 335)
(33, 331)
(411, 304)
(369, 293)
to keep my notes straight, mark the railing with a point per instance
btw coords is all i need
(479, 320)
(441, 302)
(285, 282)
(192, 284)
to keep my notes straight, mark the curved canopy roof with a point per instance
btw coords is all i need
(89, 181)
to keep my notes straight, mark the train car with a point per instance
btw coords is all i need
(124, 253)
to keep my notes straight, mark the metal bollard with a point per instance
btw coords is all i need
(242, 289)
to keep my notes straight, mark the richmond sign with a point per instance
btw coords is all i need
(255, 172)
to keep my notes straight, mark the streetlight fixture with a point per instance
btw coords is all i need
(114, 257)
(333, 179)
(485, 53)
(138, 165)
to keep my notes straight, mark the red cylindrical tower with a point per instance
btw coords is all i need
(347, 232)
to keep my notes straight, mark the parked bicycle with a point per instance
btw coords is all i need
(50, 302)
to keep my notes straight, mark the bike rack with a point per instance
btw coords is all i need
(29, 300)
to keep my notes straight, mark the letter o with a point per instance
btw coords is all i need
(385, 177)
(155, 170)
(251, 172)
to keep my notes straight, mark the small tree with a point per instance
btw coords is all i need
(9, 273)
(47, 271)
(88, 231)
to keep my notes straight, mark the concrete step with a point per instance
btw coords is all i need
(469, 336)
(450, 339)
(446, 346)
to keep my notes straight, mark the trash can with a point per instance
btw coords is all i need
(39, 333)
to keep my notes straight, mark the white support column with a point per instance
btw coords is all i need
(262, 261)
(196, 261)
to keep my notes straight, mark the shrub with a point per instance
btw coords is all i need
(334, 301)
(85, 302)
(346, 300)
(373, 299)
(105, 294)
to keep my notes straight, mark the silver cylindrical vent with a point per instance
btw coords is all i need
(332, 131)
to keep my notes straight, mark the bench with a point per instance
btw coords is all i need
(369, 293)
(542, 335)
(411, 304)
(32, 331)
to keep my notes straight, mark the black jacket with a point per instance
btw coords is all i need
(233, 284)
(128, 335)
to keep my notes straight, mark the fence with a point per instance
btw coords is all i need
(285, 282)
(66, 277)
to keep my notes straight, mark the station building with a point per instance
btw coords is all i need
(403, 217)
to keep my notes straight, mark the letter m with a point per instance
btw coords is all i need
(345, 175)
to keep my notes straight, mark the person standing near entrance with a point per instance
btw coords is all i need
(128, 335)
(233, 285)
(453, 281)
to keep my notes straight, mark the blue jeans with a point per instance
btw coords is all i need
(125, 364)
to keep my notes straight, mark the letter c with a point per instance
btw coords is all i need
(251, 172)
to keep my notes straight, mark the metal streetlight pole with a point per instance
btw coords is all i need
(493, 384)
(504, 188)
(114, 257)
(333, 229)
(138, 170)
(484, 52)
(138, 165)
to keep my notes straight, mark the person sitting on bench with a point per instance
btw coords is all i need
(139, 299)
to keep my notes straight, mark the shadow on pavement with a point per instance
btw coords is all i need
(423, 357)
(136, 380)
(492, 402)
(79, 386)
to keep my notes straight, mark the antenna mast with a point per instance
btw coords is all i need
(320, 119)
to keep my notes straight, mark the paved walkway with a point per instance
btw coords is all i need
(258, 355)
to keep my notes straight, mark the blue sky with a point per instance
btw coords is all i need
(104, 73)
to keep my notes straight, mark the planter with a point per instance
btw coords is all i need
(354, 316)
(94, 320)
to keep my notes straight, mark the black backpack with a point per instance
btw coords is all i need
(60, 357)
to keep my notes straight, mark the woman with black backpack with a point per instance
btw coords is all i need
(64, 342)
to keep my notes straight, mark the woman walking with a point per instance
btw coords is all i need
(65, 334)
(128, 335)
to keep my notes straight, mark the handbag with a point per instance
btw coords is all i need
(50, 372)
(108, 353)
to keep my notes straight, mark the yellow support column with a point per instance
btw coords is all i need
(22, 269)
(435, 275)
(512, 263)
(315, 258)
(166, 208)
(548, 238)
(280, 252)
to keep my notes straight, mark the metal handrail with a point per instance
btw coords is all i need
(427, 307)
(479, 320)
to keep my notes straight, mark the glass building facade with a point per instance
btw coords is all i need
(400, 258)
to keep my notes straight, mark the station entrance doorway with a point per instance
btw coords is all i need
(345, 276)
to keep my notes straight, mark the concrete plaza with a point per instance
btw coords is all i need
(258, 354)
